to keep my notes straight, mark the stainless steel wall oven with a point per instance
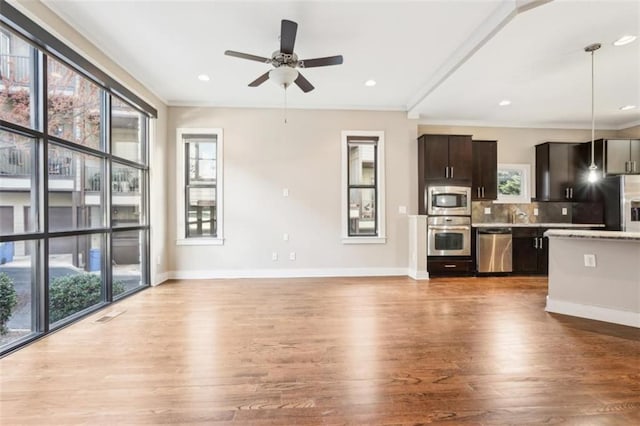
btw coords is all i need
(448, 236)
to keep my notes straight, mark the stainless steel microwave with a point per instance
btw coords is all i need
(449, 201)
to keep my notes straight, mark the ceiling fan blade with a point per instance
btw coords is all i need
(321, 62)
(258, 81)
(247, 56)
(303, 83)
(288, 31)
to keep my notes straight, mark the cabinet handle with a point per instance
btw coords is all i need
(478, 191)
(451, 173)
(535, 242)
(446, 172)
(483, 192)
(571, 193)
(449, 266)
(540, 245)
(566, 193)
(626, 167)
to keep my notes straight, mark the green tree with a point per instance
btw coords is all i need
(8, 301)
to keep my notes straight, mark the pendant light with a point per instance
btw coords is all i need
(593, 175)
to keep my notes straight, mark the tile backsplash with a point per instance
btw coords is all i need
(547, 212)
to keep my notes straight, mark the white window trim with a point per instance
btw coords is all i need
(181, 239)
(381, 238)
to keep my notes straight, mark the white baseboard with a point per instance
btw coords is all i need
(286, 273)
(599, 313)
(418, 275)
(160, 278)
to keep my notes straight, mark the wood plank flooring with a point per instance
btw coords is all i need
(329, 351)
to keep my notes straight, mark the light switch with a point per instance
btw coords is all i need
(402, 209)
(285, 192)
(487, 210)
(564, 211)
(285, 237)
(535, 212)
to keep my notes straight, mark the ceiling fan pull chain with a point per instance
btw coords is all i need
(285, 106)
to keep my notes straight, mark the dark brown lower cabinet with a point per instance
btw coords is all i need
(530, 251)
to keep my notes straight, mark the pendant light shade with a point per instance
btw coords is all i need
(593, 169)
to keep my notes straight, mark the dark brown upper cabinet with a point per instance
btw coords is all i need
(556, 171)
(442, 160)
(484, 180)
(447, 158)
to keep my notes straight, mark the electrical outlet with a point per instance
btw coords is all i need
(285, 237)
(402, 209)
(590, 260)
(292, 255)
(535, 212)
(285, 192)
(487, 210)
(564, 211)
(274, 256)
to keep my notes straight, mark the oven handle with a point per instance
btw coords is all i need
(449, 228)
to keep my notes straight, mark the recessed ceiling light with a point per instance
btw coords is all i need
(203, 77)
(370, 83)
(626, 39)
(505, 102)
(627, 107)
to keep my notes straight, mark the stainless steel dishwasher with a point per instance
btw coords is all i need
(494, 250)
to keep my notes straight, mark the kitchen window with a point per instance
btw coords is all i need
(363, 187)
(199, 157)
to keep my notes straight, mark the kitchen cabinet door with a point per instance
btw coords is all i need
(530, 251)
(436, 156)
(484, 179)
(618, 156)
(635, 155)
(460, 165)
(556, 171)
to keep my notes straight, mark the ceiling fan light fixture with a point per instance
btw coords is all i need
(370, 83)
(504, 102)
(204, 77)
(283, 76)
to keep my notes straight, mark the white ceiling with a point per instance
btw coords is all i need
(444, 61)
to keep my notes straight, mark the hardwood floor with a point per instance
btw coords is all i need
(329, 351)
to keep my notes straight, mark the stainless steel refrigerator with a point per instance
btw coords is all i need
(621, 196)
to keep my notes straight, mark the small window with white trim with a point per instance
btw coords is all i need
(199, 186)
(363, 187)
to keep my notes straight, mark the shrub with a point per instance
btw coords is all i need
(72, 293)
(8, 301)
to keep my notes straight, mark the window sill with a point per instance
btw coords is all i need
(364, 240)
(200, 242)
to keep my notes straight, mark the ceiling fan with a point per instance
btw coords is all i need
(285, 61)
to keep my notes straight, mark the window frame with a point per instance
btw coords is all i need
(182, 238)
(40, 238)
(380, 236)
(524, 170)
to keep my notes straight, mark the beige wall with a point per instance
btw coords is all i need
(262, 156)
(52, 23)
(517, 145)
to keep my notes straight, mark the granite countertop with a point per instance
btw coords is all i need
(604, 235)
(538, 225)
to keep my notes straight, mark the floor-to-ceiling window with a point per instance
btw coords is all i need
(74, 223)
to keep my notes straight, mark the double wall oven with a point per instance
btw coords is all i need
(449, 222)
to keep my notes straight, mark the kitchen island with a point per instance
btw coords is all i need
(595, 275)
